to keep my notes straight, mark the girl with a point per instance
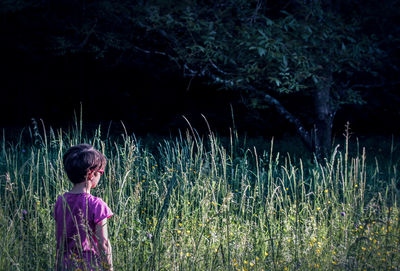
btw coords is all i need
(81, 219)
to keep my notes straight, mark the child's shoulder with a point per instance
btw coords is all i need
(95, 200)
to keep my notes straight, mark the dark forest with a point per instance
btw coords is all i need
(150, 63)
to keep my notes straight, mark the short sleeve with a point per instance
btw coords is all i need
(101, 211)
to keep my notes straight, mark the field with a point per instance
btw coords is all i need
(207, 203)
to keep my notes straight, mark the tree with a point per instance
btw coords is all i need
(237, 44)
(266, 50)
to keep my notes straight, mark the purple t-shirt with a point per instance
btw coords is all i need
(79, 213)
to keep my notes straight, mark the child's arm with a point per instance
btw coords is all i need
(103, 243)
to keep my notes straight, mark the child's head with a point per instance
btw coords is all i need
(80, 160)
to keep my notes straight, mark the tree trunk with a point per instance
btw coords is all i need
(322, 133)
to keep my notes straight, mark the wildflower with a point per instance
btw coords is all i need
(257, 258)
(326, 191)
(251, 264)
(245, 262)
(177, 217)
(24, 212)
(178, 231)
(318, 208)
(188, 254)
(363, 248)
(286, 268)
(266, 253)
(180, 224)
(38, 203)
(342, 213)
(356, 185)
(334, 263)
(149, 235)
(188, 232)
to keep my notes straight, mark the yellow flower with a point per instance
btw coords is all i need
(318, 208)
(178, 231)
(251, 264)
(266, 253)
(245, 262)
(356, 186)
(363, 248)
(257, 258)
(187, 231)
(188, 254)
(326, 191)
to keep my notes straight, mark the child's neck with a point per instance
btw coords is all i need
(80, 188)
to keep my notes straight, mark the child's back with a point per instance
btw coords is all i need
(82, 212)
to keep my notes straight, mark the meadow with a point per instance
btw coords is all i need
(208, 203)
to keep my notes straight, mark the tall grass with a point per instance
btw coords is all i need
(198, 204)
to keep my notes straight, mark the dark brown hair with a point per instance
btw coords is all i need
(80, 160)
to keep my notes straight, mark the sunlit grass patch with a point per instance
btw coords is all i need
(195, 203)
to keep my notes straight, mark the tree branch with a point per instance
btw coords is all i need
(390, 84)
